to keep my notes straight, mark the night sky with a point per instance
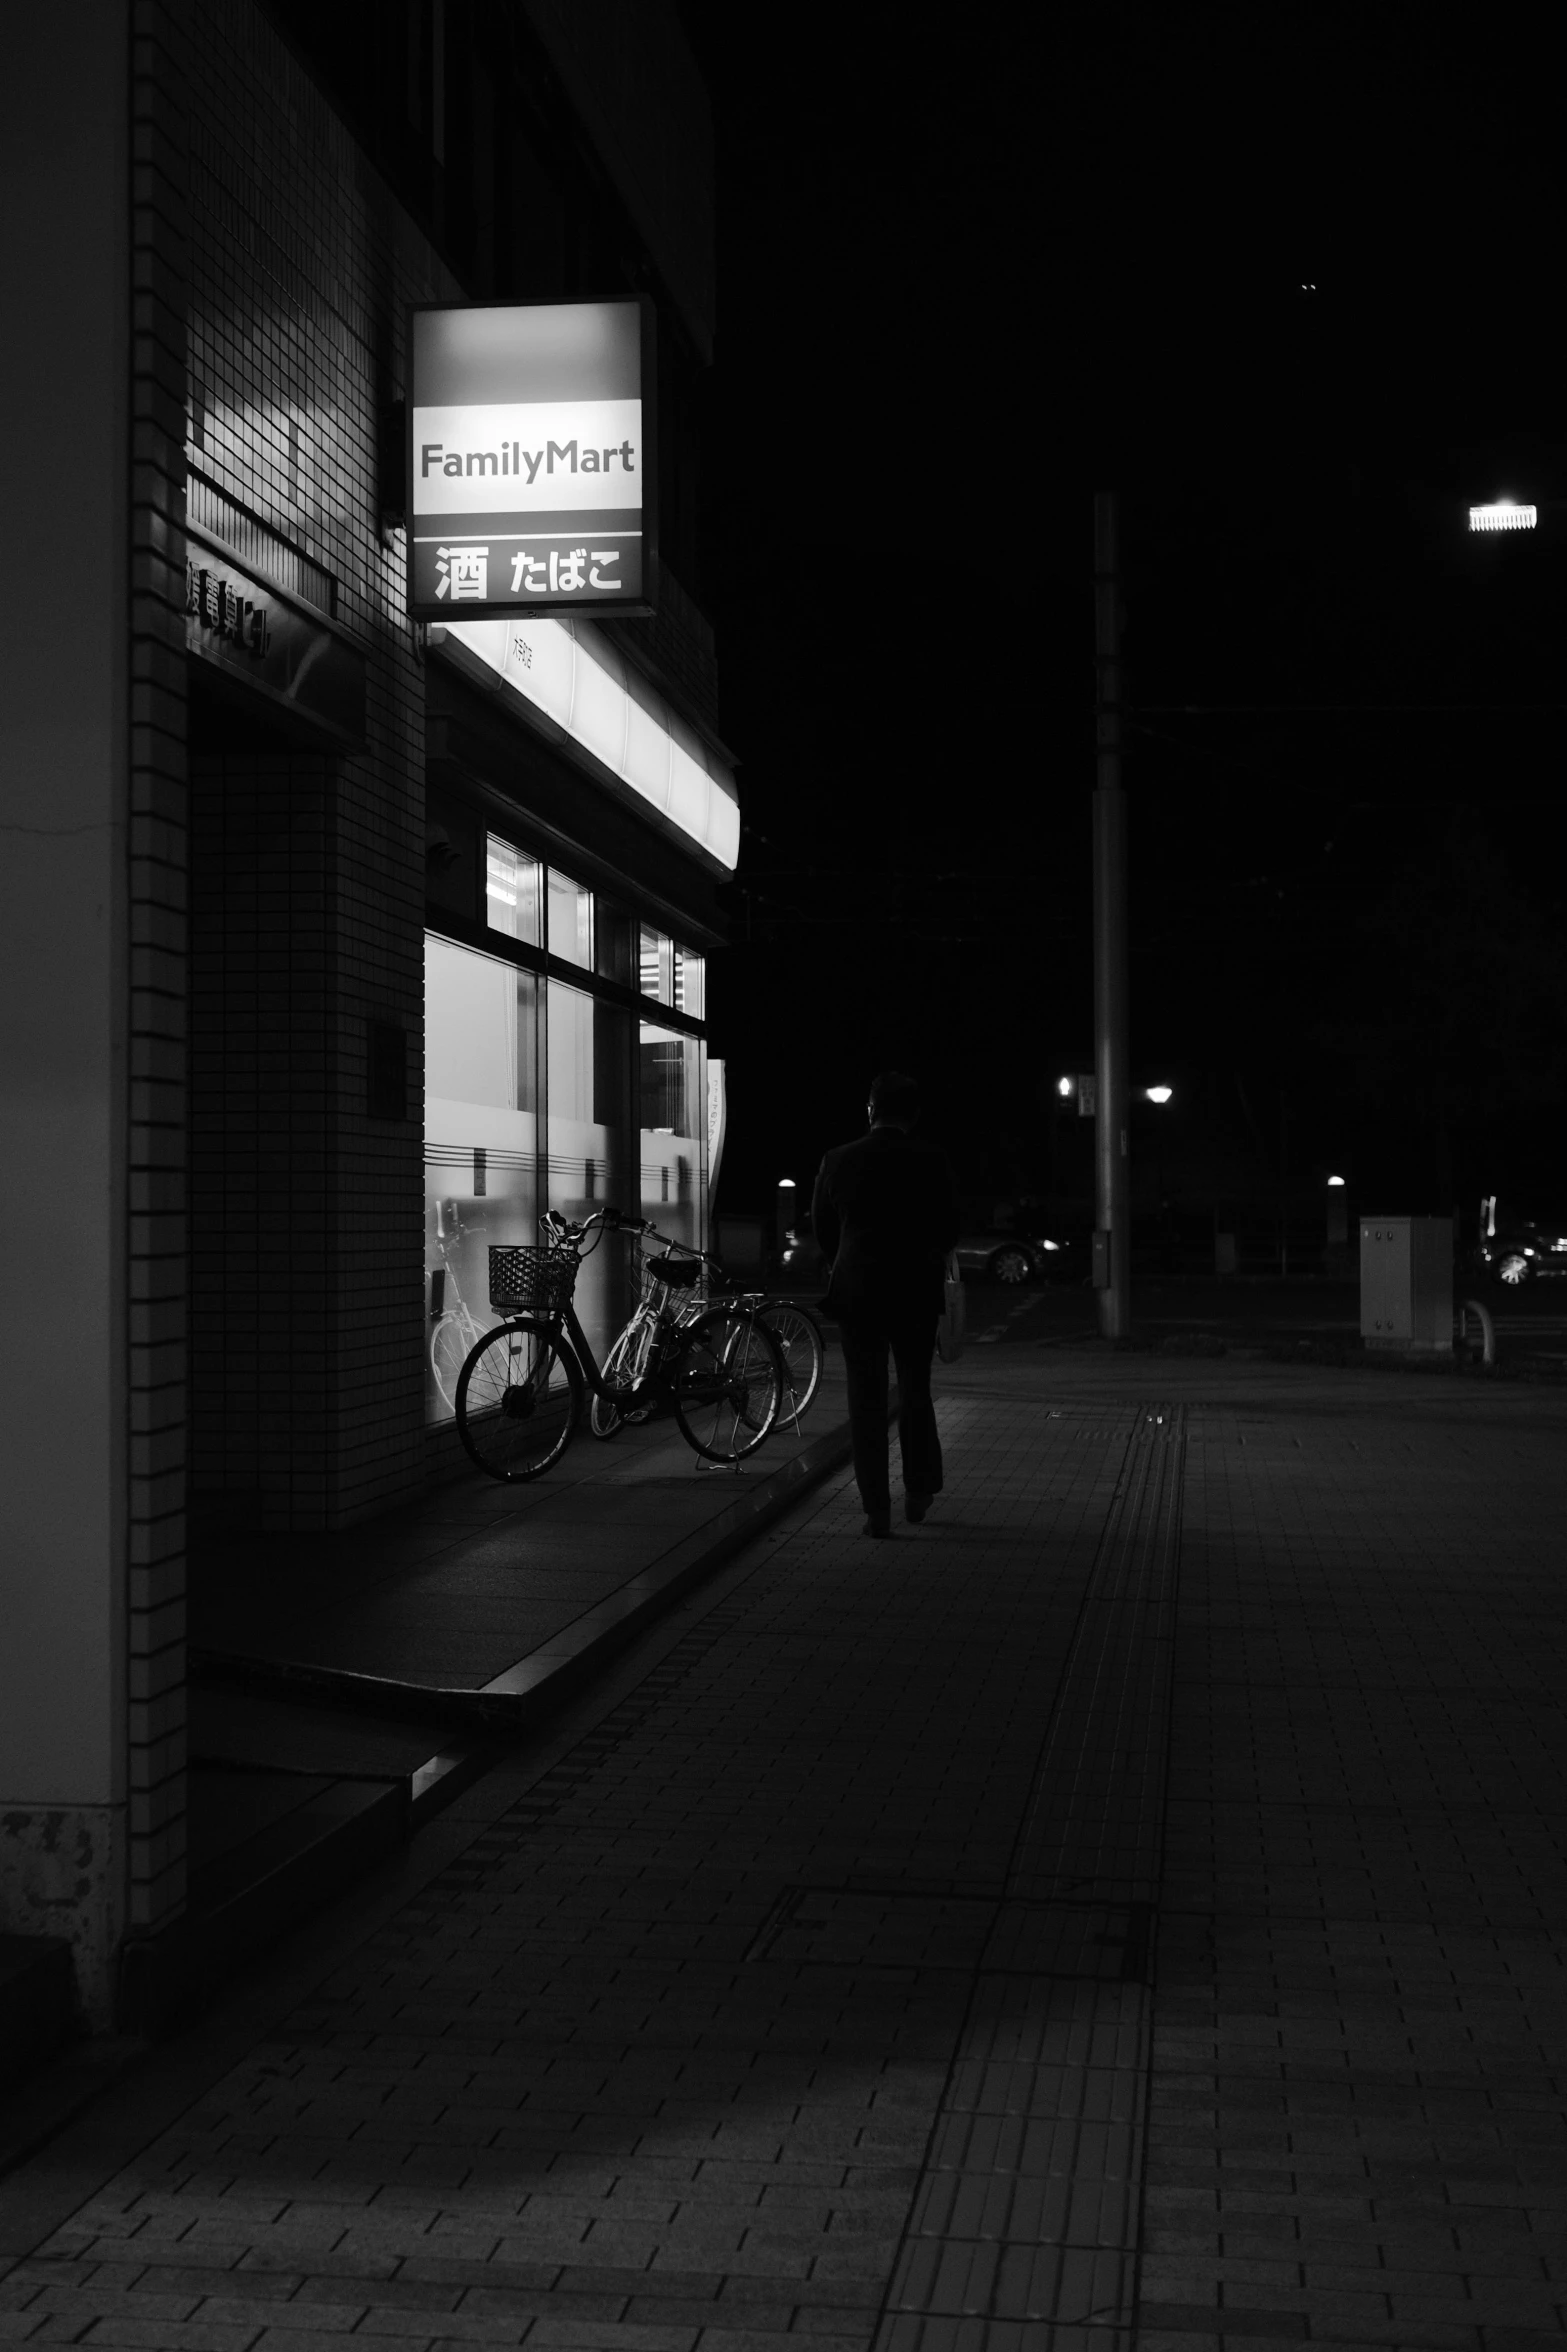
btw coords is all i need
(1292, 302)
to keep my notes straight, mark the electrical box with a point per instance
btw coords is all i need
(1406, 1283)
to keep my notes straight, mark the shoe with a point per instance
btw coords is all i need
(878, 1523)
(915, 1506)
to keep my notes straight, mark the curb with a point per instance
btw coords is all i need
(167, 1976)
(515, 1700)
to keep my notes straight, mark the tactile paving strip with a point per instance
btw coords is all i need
(837, 1927)
(1023, 2232)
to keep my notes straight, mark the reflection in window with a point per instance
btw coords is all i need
(656, 975)
(691, 983)
(589, 1112)
(672, 1077)
(614, 942)
(571, 921)
(512, 890)
(480, 1145)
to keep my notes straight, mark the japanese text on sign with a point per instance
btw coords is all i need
(462, 574)
(219, 606)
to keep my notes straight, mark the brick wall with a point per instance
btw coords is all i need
(156, 1309)
(307, 1208)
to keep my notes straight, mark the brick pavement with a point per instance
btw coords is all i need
(751, 2014)
(1360, 2064)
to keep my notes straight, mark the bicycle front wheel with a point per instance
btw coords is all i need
(729, 1383)
(803, 1349)
(518, 1400)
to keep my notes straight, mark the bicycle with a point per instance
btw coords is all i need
(455, 1330)
(796, 1330)
(801, 1343)
(519, 1397)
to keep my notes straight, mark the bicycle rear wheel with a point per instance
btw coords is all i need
(518, 1400)
(729, 1382)
(625, 1364)
(803, 1349)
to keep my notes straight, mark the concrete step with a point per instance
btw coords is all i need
(292, 1842)
(38, 2012)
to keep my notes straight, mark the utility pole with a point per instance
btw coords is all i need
(1112, 1166)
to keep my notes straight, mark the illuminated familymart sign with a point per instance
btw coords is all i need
(530, 460)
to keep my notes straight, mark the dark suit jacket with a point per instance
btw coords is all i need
(885, 1211)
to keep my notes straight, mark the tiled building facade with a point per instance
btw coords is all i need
(220, 890)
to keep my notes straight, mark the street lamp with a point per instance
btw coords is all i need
(1158, 1094)
(1112, 1266)
(1338, 1215)
(1503, 514)
(785, 1211)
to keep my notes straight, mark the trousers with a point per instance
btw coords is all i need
(865, 1347)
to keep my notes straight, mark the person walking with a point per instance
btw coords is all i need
(885, 1213)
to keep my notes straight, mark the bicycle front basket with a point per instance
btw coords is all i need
(523, 1277)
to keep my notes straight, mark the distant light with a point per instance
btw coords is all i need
(1053, 1245)
(1335, 1180)
(1066, 1086)
(1503, 514)
(1158, 1094)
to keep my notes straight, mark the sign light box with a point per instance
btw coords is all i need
(530, 458)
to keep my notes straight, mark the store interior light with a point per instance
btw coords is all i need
(1503, 514)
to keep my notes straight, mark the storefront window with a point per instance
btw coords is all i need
(656, 969)
(513, 890)
(589, 1112)
(674, 1134)
(542, 1094)
(571, 921)
(481, 1023)
(690, 983)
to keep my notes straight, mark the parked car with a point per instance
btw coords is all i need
(1019, 1257)
(1515, 1247)
(997, 1256)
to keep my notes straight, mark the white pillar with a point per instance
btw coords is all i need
(64, 585)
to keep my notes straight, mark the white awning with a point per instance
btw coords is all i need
(570, 672)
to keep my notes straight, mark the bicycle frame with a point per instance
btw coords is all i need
(564, 1324)
(677, 1313)
(669, 1320)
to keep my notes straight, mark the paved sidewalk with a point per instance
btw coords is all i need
(1127, 1909)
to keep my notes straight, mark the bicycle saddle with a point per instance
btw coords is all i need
(679, 1273)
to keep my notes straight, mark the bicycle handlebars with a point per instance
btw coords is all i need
(607, 1220)
(613, 1220)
